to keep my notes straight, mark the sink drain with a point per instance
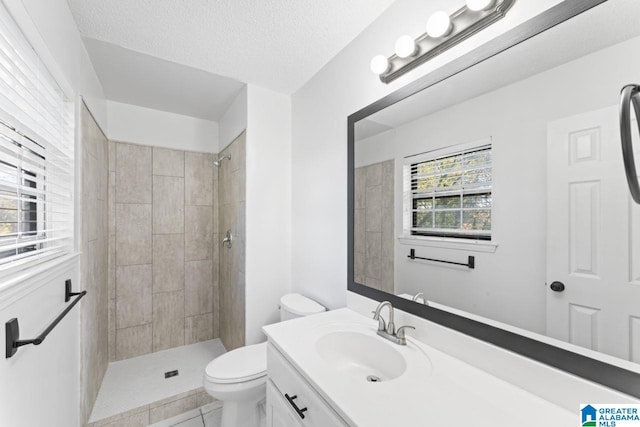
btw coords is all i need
(373, 379)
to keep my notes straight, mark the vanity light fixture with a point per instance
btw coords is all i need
(380, 64)
(443, 32)
(406, 47)
(439, 25)
(477, 5)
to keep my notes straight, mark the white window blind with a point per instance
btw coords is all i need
(448, 192)
(36, 156)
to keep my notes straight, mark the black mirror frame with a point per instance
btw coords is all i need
(612, 376)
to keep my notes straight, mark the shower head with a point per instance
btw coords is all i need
(218, 162)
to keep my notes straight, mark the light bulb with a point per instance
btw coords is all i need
(405, 46)
(477, 5)
(439, 24)
(379, 64)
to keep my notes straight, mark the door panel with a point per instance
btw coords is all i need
(593, 237)
(583, 326)
(634, 339)
(584, 227)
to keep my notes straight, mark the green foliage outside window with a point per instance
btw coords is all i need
(452, 195)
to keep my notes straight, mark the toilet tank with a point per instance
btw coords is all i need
(296, 305)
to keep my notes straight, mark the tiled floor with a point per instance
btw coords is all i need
(133, 383)
(208, 416)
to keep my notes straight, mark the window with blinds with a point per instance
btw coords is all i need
(450, 194)
(36, 156)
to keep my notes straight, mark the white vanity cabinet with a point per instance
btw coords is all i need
(291, 400)
(279, 412)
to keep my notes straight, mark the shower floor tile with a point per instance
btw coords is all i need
(187, 419)
(133, 383)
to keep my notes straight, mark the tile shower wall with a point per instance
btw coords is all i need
(373, 226)
(232, 217)
(93, 263)
(163, 251)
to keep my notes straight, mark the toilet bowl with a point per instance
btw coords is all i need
(238, 378)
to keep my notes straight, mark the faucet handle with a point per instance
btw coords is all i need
(400, 331)
(381, 323)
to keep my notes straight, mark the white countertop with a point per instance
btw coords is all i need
(443, 391)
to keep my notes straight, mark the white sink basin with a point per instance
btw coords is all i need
(335, 352)
(362, 356)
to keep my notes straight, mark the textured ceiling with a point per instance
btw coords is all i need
(275, 44)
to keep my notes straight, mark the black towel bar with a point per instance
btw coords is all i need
(12, 329)
(471, 263)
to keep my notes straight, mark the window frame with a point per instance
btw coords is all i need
(411, 199)
(38, 115)
(36, 222)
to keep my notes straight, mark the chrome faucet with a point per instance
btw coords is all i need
(419, 296)
(387, 330)
(228, 239)
(390, 328)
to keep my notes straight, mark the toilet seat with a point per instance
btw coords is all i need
(240, 365)
(239, 377)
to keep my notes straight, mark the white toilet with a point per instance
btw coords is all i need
(238, 378)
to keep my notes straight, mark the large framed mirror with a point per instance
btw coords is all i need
(491, 195)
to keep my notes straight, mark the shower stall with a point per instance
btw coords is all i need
(164, 295)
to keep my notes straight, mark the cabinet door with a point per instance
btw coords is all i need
(279, 413)
(286, 379)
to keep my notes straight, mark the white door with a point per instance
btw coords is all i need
(593, 237)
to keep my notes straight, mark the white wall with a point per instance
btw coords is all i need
(140, 125)
(40, 385)
(319, 157)
(375, 149)
(268, 209)
(234, 120)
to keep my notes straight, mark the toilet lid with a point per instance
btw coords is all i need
(242, 364)
(300, 305)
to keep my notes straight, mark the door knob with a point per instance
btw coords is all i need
(557, 286)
